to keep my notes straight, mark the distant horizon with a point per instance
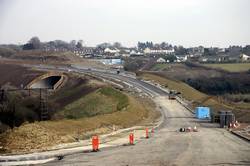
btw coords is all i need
(190, 23)
(84, 45)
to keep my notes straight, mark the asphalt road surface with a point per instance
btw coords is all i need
(209, 146)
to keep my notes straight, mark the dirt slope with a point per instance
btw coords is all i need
(15, 75)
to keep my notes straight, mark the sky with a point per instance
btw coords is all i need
(189, 23)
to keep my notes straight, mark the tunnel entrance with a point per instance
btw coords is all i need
(48, 82)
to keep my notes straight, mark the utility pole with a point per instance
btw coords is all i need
(1, 95)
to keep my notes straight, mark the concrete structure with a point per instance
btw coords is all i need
(49, 81)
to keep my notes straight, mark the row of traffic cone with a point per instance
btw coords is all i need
(96, 142)
(131, 136)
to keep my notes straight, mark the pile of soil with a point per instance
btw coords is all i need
(29, 137)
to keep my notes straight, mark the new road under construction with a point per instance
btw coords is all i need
(161, 143)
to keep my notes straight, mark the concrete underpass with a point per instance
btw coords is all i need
(47, 81)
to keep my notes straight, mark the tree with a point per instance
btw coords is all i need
(104, 45)
(72, 43)
(164, 45)
(246, 50)
(117, 45)
(35, 41)
(142, 45)
(61, 44)
(170, 58)
(180, 50)
(79, 44)
(28, 46)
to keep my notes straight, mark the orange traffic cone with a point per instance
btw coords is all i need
(147, 136)
(131, 138)
(95, 143)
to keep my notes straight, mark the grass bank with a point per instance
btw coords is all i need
(102, 101)
(231, 67)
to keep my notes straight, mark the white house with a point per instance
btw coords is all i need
(160, 60)
(135, 53)
(244, 57)
(182, 58)
(158, 51)
(111, 50)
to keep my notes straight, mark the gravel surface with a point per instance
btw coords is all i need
(209, 146)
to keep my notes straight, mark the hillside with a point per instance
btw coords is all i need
(83, 106)
(231, 67)
(197, 98)
(121, 112)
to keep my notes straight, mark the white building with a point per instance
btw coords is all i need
(244, 57)
(161, 60)
(182, 58)
(111, 50)
(158, 51)
(135, 53)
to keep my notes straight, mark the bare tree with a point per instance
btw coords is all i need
(72, 43)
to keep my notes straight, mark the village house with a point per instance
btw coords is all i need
(84, 51)
(111, 50)
(135, 53)
(153, 51)
(161, 60)
(182, 58)
(244, 57)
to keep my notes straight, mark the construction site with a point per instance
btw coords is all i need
(57, 113)
(34, 102)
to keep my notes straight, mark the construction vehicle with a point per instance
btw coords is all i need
(172, 95)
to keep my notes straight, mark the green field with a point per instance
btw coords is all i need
(163, 66)
(232, 67)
